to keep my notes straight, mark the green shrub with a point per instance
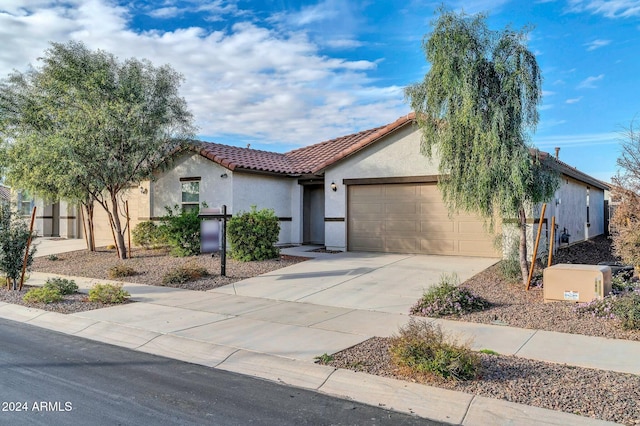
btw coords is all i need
(621, 283)
(184, 273)
(119, 271)
(53, 257)
(510, 267)
(148, 235)
(424, 348)
(624, 307)
(108, 293)
(63, 285)
(447, 298)
(627, 310)
(253, 235)
(181, 230)
(42, 295)
(14, 235)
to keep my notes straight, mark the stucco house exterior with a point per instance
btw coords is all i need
(368, 191)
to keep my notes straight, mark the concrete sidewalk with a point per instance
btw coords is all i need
(277, 337)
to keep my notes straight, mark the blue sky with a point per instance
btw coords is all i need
(283, 74)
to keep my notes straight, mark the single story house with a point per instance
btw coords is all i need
(368, 191)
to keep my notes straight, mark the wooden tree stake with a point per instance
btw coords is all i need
(535, 247)
(126, 209)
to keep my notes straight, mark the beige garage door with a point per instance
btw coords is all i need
(412, 218)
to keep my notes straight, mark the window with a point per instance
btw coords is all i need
(25, 203)
(190, 194)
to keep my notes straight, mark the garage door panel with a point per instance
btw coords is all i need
(436, 246)
(399, 226)
(436, 226)
(367, 244)
(393, 192)
(475, 227)
(360, 208)
(402, 245)
(402, 208)
(368, 226)
(412, 218)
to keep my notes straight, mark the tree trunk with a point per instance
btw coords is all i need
(117, 228)
(524, 266)
(91, 239)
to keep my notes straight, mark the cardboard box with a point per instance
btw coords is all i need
(576, 283)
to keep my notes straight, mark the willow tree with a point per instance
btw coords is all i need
(476, 108)
(110, 123)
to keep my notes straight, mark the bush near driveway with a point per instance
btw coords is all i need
(253, 235)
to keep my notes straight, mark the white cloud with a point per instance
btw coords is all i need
(596, 44)
(573, 100)
(166, 12)
(248, 81)
(607, 8)
(589, 139)
(590, 82)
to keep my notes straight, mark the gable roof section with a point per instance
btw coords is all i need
(313, 159)
(308, 160)
(233, 157)
(572, 172)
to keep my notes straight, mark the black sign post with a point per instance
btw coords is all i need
(209, 236)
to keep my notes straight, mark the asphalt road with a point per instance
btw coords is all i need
(48, 378)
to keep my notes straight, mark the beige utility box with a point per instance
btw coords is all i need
(576, 283)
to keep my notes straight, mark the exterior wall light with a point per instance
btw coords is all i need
(224, 176)
(334, 187)
(143, 190)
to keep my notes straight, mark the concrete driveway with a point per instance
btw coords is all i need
(378, 282)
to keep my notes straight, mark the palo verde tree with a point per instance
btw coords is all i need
(476, 108)
(110, 122)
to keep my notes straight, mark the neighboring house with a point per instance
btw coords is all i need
(369, 191)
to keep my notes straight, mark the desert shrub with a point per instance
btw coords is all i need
(14, 235)
(627, 310)
(253, 235)
(181, 230)
(510, 266)
(119, 271)
(108, 293)
(42, 295)
(624, 307)
(447, 298)
(424, 348)
(63, 285)
(621, 283)
(148, 235)
(184, 273)
(53, 257)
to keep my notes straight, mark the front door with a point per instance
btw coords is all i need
(313, 214)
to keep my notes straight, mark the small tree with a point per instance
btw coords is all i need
(14, 235)
(253, 235)
(626, 219)
(476, 107)
(110, 122)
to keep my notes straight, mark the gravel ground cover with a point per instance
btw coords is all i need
(593, 393)
(150, 267)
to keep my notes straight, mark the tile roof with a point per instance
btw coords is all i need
(308, 160)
